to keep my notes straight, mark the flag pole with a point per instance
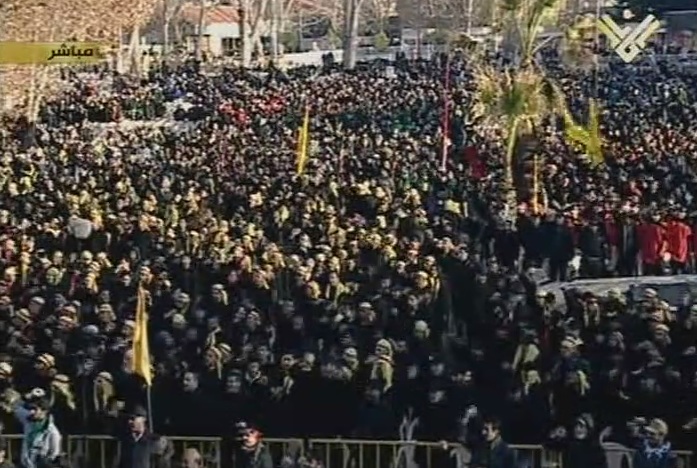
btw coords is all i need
(535, 184)
(141, 347)
(149, 397)
(446, 114)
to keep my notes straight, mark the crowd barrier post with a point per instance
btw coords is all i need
(618, 457)
(346, 453)
(100, 451)
(14, 445)
(285, 447)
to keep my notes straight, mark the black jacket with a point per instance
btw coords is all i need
(585, 453)
(137, 453)
(260, 458)
(496, 455)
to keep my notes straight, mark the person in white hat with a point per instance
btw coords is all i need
(655, 451)
(41, 444)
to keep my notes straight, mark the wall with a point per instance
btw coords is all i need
(365, 54)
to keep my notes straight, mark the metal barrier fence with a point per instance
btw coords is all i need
(90, 451)
(386, 454)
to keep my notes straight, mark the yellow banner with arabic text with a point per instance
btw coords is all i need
(51, 53)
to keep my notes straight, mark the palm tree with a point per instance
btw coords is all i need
(517, 99)
(525, 19)
(576, 51)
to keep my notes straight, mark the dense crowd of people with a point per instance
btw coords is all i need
(374, 284)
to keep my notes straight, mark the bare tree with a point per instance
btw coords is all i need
(379, 11)
(275, 13)
(36, 21)
(447, 15)
(252, 19)
(131, 16)
(170, 11)
(200, 25)
(352, 11)
(332, 9)
(26, 87)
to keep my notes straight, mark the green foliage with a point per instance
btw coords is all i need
(586, 136)
(290, 41)
(334, 38)
(576, 45)
(517, 100)
(438, 37)
(381, 41)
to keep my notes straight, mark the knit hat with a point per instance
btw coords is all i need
(586, 419)
(385, 346)
(61, 386)
(138, 412)
(658, 426)
(46, 360)
(650, 293)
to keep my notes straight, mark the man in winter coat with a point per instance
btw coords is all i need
(581, 448)
(255, 454)
(494, 452)
(138, 444)
(41, 443)
(654, 451)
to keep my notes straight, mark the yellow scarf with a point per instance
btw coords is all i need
(383, 370)
(102, 392)
(525, 354)
(530, 379)
(334, 293)
(583, 382)
(63, 389)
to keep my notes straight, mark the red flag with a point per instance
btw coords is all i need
(477, 169)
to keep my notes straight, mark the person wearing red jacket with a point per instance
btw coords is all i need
(679, 239)
(652, 244)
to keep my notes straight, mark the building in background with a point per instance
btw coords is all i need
(305, 28)
(221, 28)
(681, 29)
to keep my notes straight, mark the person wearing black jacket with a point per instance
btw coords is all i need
(493, 452)
(138, 444)
(591, 246)
(255, 453)
(582, 447)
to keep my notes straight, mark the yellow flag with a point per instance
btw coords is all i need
(141, 348)
(303, 140)
(587, 137)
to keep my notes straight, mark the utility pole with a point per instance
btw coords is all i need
(275, 13)
(300, 30)
(419, 28)
(470, 8)
(244, 42)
